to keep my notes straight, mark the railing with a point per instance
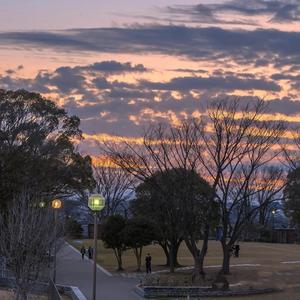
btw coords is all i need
(53, 292)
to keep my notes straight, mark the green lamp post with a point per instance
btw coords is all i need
(56, 205)
(96, 203)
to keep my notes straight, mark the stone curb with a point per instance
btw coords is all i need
(156, 292)
(73, 291)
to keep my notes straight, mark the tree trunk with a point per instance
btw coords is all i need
(204, 248)
(167, 252)
(198, 255)
(168, 259)
(21, 295)
(138, 255)
(198, 266)
(226, 259)
(118, 254)
(175, 253)
(171, 256)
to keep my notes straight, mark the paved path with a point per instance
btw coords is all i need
(72, 271)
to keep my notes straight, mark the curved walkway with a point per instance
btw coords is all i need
(73, 271)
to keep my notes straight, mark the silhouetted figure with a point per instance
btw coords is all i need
(90, 252)
(237, 250)
(148, 263)
(82, 251)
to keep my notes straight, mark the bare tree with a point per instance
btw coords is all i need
(230, 146)
(115, 185)
(275, 179)
(165, 148)
(238, 143)
(26, 241)
(291, 192)
(292, 151)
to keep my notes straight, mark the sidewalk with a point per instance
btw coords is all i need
(72, 271)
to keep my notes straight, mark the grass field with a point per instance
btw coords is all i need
(269, 265)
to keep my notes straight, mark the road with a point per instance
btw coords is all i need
(73, 271)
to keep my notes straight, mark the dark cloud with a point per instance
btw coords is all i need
(285, 76)
(294, 80)
(207, 83)
(242, 46)
(287, 13)
(10, 71)
(285, 106)
(205, 13)
(113, 66)
(102, 83)
(277, 11)
(13, 71)
(68, 80)
(65, 80)
(130, 93)
(9, 82)
(193, 71)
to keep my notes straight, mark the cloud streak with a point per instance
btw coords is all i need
(275, 11)
(242, 46)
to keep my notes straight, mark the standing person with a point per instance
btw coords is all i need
(237, 250)
(82, 251)
(148, 263)
(90, 252)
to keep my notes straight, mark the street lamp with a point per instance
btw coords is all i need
(96, 203)
(56, 205)
(273, 223)
(42, 204)
(273, 217)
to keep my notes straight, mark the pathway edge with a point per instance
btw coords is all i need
(106, 272)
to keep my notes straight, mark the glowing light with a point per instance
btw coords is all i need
(96, 202)
(56, 204)
(42, 204)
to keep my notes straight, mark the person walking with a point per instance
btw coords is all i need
(148, 263)
(237, 250)
(82, 251)
(90, 252)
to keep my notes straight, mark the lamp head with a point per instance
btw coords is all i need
(42, 204)
(96, 202)
(56, 203)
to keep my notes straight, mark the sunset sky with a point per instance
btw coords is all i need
(120, 65)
